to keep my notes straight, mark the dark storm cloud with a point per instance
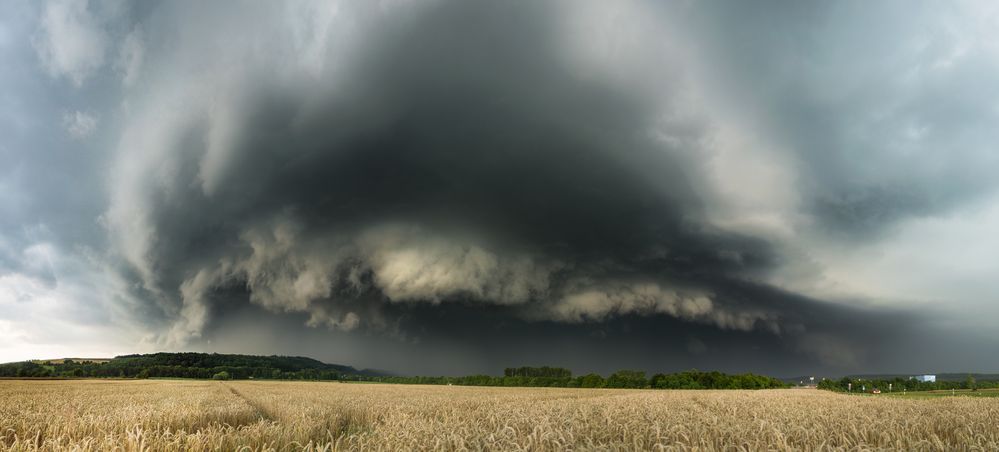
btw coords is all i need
(460, 158)
(461, 339)
(436, 182)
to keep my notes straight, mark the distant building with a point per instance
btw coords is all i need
(926, 378)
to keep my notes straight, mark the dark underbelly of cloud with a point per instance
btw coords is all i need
(459, 159)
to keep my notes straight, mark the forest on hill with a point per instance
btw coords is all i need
(189, 365)
(242, 367)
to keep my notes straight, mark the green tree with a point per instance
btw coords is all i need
(221, 376)
(591, 381)
(970, 382)
(627, 379)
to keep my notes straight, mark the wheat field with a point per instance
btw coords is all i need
(246, 415)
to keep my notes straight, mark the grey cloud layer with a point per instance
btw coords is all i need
(886, 116)
(356, 166)
(452, 160)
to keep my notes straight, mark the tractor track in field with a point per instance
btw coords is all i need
(264, 413)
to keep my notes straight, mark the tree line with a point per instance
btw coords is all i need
(109, 370)
(531, 372)
(851, 384)
(635, 379)
(186, 365)
(242, 367)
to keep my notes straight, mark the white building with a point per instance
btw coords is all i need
(926, 378)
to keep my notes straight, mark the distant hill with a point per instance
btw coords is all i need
(189, 365)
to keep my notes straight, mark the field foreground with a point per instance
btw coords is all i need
(208, 415)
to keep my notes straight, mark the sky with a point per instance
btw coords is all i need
(455, 187)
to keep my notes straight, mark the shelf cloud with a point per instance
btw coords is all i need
(410, 176)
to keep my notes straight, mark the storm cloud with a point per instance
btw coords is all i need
(468, 179)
